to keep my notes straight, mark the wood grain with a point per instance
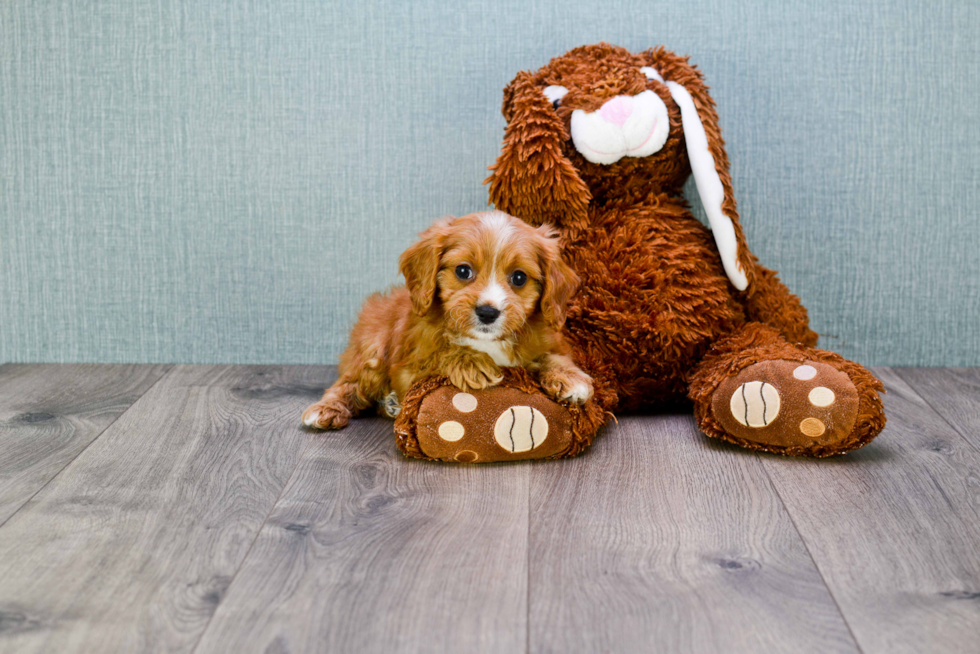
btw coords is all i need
(205, 516)
(134, 545)
(953, 392)
(660, 540)
(368, 551)
(894, 528)
(50, 413)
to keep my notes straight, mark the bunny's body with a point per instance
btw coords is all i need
(600, 143)
(637, 262)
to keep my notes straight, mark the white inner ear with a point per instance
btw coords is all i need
(709, 185)
(651, 73)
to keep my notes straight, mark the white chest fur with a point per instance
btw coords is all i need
(500, 351)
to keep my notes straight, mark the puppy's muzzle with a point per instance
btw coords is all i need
(487, 314)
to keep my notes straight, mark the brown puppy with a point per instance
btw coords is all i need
(482, 291)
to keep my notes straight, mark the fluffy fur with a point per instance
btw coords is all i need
(657, 320)
(431, 326)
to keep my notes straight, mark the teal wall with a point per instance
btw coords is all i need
(224, 181)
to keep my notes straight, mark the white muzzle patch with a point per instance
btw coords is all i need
(494, 295)
(625, 126)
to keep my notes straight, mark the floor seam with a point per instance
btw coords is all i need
(806, 547)
(935, 409)
(92, 442)
(258, 532)
(527, 548)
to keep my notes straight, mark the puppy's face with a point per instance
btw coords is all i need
(490, 273)
(490, 278)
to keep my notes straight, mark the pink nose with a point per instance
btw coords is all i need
(617, 110)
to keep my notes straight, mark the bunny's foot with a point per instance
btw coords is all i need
(787, 403)
(511, 421)
(788, 399)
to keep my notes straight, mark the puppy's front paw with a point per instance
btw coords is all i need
(474, 376)
(326, 416)
(567, 386)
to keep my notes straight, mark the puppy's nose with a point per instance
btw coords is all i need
(617, 110)
(487, 314)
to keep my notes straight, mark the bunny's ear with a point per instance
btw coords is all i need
(532, 178)
(709, 162)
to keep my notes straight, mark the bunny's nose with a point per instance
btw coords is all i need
(617, 110)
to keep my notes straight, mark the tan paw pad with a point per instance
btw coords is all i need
(451, 431)
(755, 404)
(812, 427)
(805, 372)
(520, 429)
(464, 402)
(821, 396)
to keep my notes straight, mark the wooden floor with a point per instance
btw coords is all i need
(150, 508)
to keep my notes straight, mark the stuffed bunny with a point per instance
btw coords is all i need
(599, 144)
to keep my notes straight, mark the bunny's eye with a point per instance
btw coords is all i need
(555, 94)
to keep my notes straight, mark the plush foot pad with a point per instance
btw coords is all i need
(510, 425)
(787, 404)
(509, 422)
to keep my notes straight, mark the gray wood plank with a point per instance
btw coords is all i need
(367, 551)
(953, 392)
(661, 540)
(134, 544)
(894, 528)
(49, 413)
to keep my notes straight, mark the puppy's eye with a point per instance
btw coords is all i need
(464, 272)
(518, 278)
(555, 94)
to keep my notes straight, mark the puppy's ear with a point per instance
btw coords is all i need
(420, 265)
(709, 161)
(560, 281)
(532, 178)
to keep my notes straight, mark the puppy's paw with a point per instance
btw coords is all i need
(580, 392)
(474, 376)
(567, 385)
(326, 416)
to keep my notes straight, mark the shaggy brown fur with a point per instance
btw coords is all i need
(656, 319)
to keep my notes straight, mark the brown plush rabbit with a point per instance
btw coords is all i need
(599, 144)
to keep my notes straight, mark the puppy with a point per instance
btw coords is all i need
(482, 292)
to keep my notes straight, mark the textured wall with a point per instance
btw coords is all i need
(224, 181)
